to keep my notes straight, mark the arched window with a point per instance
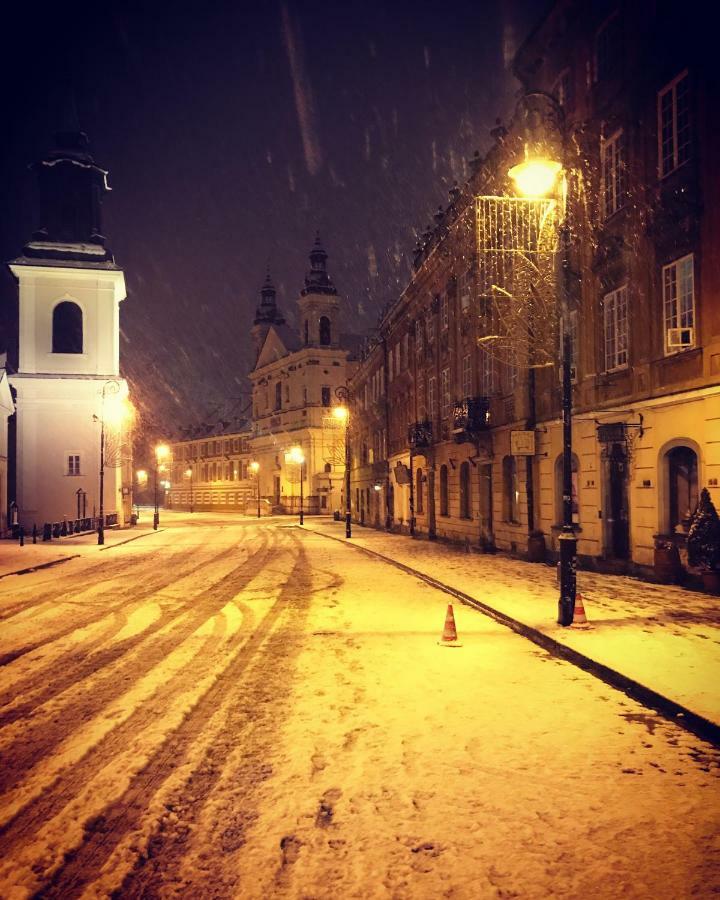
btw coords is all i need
(419, 500)
(67, 328)
(324, 330)
(511, 494)
(575, 476)
(465, 495)
(682, 466)
(278, 395)
(328, 467)
(444, 491)
(307, 332)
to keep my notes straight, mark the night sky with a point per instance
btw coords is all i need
(232, 132)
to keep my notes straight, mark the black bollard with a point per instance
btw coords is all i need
(34, 533)
(22, 536)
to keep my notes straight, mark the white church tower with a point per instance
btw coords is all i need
(68, 383)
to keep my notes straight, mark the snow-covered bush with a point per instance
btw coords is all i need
(703, 540)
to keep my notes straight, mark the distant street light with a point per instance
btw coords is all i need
(255, 469)
(162, 451)
(342, 413)
(189, 474)
(297, 456)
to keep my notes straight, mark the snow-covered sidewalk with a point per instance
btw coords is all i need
(15, 559)
(663, 637)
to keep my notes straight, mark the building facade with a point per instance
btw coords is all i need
(212, 472)
(70, 396)
(295, 384)
(620, 257)
(7, 408)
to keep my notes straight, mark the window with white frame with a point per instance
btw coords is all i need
(467, 375)
(488, 373)
(445, 392)
(430, 327)
(608, 45)
(612, 164)
(615, 331)
(432, 395)
(563, 89)
(420, 396)
(73, 464)
(674, 142)
(678, 282)
(444, 314)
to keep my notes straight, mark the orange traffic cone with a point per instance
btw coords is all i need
(449, 636)
(579, 618)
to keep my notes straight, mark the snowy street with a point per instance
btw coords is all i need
(232, 708)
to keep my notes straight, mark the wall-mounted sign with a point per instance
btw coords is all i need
(522, 443)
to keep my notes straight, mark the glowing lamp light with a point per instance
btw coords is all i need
(188, 473)
(255, 467)
(162, 451)
(341, 413)
(296, 455)
(142, 476)
(535, 177)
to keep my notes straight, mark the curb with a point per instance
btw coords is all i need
(674, 712)
(45, 565)
(134, 538)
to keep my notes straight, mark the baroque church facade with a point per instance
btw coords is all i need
(70, 397)
(295, 385)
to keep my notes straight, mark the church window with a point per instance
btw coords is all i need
(67, 328)
(324, 330)
(325, 395)
(278, 395)
(307, 332)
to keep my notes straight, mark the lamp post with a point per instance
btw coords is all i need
(255, 469)
(161, 453)
(189, 474)
(536, 177)
(297, 456)
(114, 413)
(342, 413)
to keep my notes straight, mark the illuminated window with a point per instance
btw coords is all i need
(612, 163)
(67, 328)
(674, 132)
(511, 492)
(678, 280)
(615, 320)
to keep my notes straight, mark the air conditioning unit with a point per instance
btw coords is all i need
(680, 337)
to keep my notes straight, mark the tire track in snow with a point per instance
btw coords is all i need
(38, 740)
(228, 694)
(59, 790)
(83, 659)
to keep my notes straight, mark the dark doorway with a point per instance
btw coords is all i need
(616, 507)
(486, 507)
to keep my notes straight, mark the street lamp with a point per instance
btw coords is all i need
(342, 413)
(162, 451)
(296, 455)
(537, 176)
(255, 469)
(189, 474)
(114, 409)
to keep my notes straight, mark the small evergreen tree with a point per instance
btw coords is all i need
(703, 540)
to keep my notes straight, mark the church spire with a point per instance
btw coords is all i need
(317, 280)
(267, 312)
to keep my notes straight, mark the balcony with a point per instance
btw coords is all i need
(470, 417)
(420, 435)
